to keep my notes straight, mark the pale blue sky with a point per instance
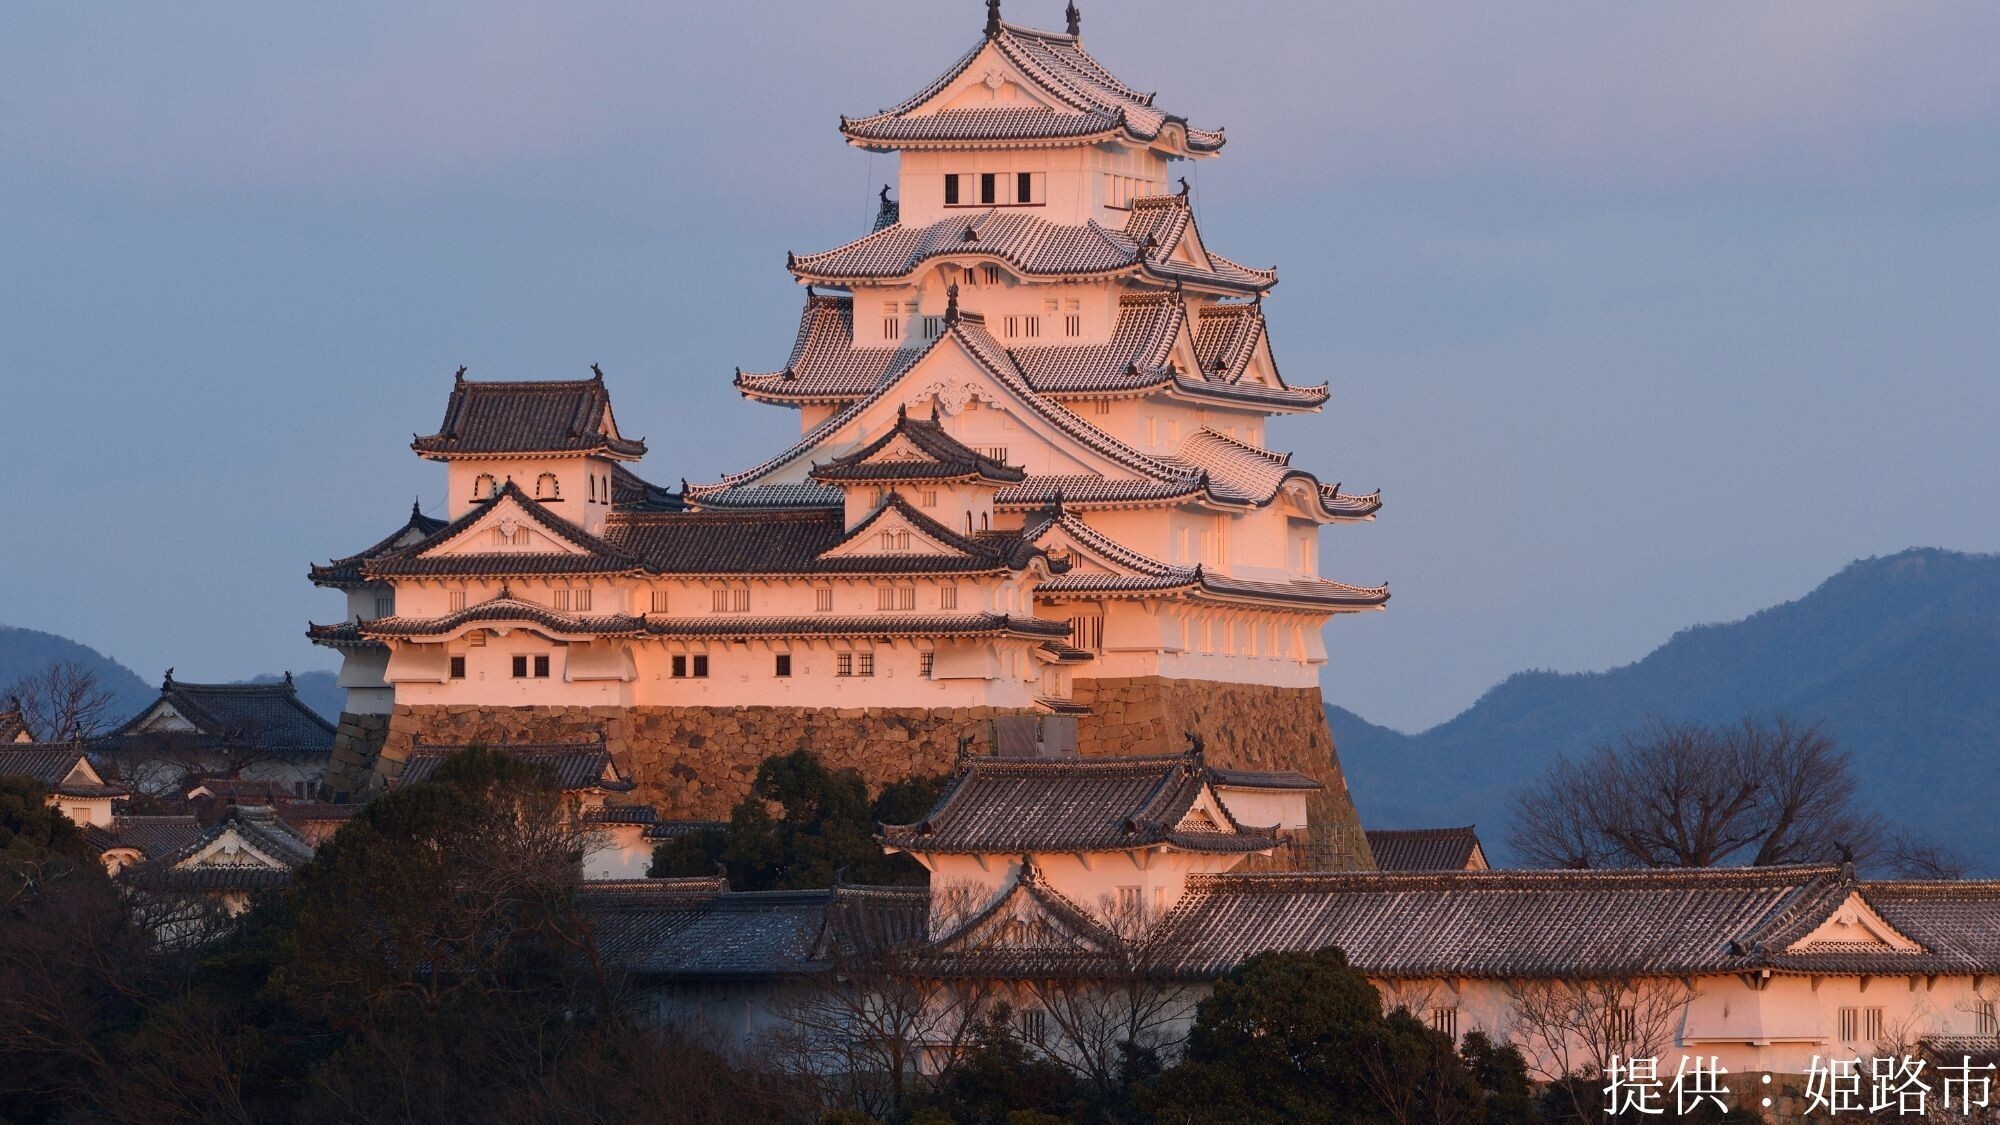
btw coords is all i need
(1642, 315)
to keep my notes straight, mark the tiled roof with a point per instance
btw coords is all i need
(1150, 576)
(578, 766)
(621, 814)
(242, 790)
(889, 213)
(1235, 471)
(270, 717)
(1571, 923)
(675, 829)
(826, 367)
(47, 765)
(151, 836)
(1035, 247)
(1093, 103)
(316, 821)
(797, 542)
(859, 625)
(1423, 849)
(1000, 805)
(566, 417)
(257, 829)
(340, 634)
(346, 572)
(631, 493)
(698, 929)
(1264, 779)
(943, 457)
(768, 497)
(506, 608)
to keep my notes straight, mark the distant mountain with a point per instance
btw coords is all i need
(24, 652)
(1898, 658)
(315, 690)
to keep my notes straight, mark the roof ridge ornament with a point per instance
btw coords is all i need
(460, 377)
(1075, 19)
(951, 304)
(1185, 189)
(596, 373)
(167, 684)
(992, 19)
(416, 507)
(885, 196)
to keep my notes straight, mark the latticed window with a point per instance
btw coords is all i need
(926, 664)
(659, 601)
(929, 497)
(843, 664)
(892, 321)
(739, 599)
(995, 453)
(580, 601)
(454, 600)
(1102, 406)
(992, 275)
(864, 663)
(782, 666)
(458, 667)
(1621, 1023)
(933, 327)
(948, 597)
(560, 599)
(1034, 1024)
(718, 601)
(823, 599)
(1984, 1020)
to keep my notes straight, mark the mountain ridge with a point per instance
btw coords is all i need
(1895, 655)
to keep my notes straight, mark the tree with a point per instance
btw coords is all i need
(1277, 1040)
(1694, 795)
(1503, 1074)
(999, 1080)
(1569, 1031)
(64, 702)
(825, 828)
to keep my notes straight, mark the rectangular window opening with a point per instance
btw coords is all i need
(458, 667)
(951, 191)
(823, 599)
(1024, 187)
(520, 667)
(541, 667)
(701, 667)
(843, 664)
(680, 667)
(782, 665)
(989, 187)
(864, 663)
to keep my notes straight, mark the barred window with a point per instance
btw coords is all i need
(1445, 1020)
(739, 599)
(701, 667)
(580, 600)
(1033, 1023)
(718, 600)
(1087, 632)
(864, 664)
(989, 188)
(929, 497)
(933, 327)
(659, 601)
(520, 667)
(995, 453)
(458, 667)
(455, 600)
(843, 664)
(951, 190)
(680, 667)
(948, 597)
(992, 275)
(823, 599)
(927, 663)
(560, 599)
(1984, 1021)
(783, 665)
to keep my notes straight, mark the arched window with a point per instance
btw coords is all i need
(983, 520)
(547, 487)
(593, 486)
(484, 487)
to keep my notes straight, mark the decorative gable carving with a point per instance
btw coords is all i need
(891, 532)
(506, 527)
(1855, 925)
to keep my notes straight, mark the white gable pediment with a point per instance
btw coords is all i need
(1855, 925)
(162, 716)
(504, 528)
(230, 849)
(891, 533)
(990, 80)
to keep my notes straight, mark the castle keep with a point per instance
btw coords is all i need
(1030, 503)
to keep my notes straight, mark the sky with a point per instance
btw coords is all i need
(1641, 315)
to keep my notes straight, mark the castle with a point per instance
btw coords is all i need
(1030, 503)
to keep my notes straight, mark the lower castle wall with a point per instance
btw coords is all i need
(695, 763)
(1242, 726)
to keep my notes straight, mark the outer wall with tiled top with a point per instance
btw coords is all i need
(697, 762)
(1243, 726)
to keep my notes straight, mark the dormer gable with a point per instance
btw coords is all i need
(1854, 926)
(511, 524)
(896, 528)
(1029, 915)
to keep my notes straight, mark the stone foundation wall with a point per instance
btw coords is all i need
(1242, 726)
(357, 744)
(695, 763)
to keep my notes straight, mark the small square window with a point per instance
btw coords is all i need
(718, 601)
(541, 667)
(739, 600)
(929, 499)
(680, 667)
(823, 599)
(843, 664)
(701, 667)
(784, 664)
(948, 597)
(560, 599)
(455, 600)
(659, 601)
(864, 663)
(580, 601)
(520, 667)
(458, 667)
